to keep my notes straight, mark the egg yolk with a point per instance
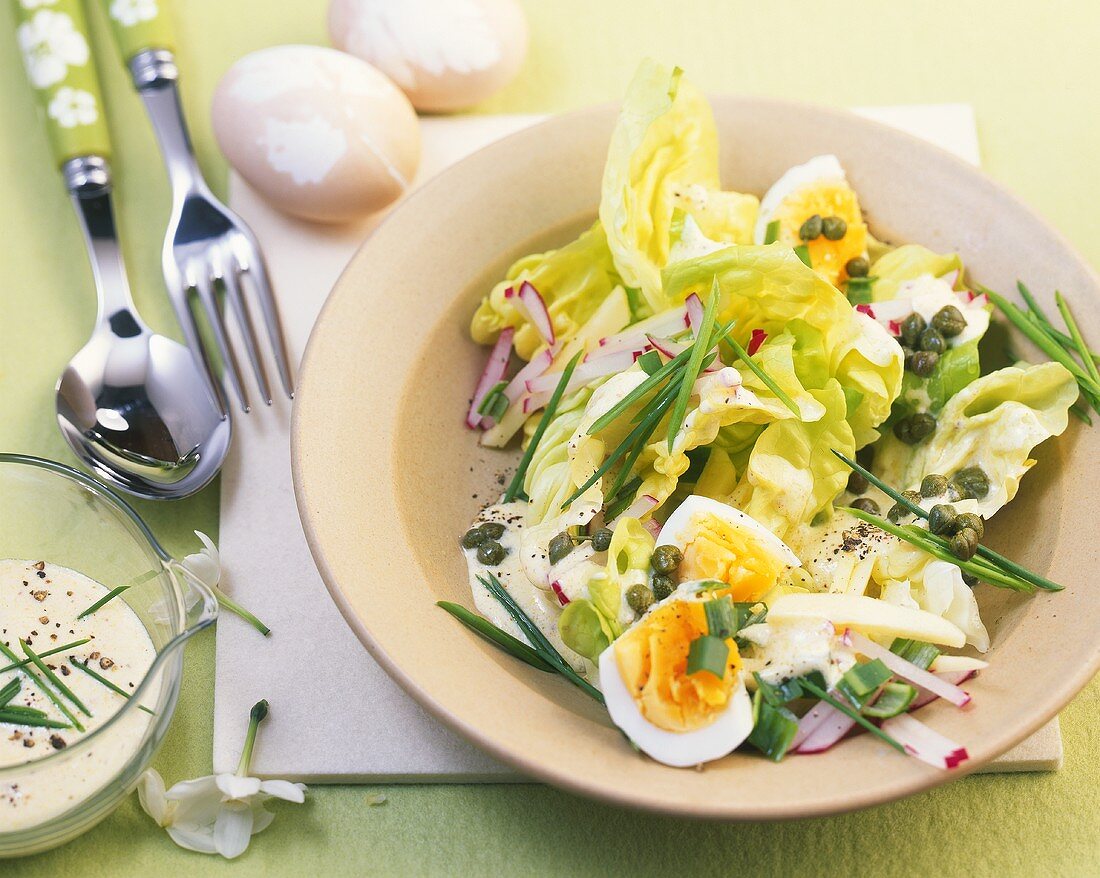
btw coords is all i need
(730, 554)
(825, 198)
(652, 658)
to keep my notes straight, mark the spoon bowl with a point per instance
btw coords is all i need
(136, 408)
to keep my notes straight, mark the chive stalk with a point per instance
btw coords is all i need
(107, 598)
(754, 367)
(11, 717)
(63, 648)
(43, 687)
(8, 692)
(1078, 339)
(118, 690)
(484, 628)
(695, 362)
(547, 416)
(852, 714)
(36, 660)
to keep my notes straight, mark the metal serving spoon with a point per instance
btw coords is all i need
(136, 407)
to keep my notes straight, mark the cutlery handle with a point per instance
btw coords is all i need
(57, 54)
(140, 25)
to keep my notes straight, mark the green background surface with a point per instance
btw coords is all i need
(1030, 70)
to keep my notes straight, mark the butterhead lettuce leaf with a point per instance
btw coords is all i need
(908, 262)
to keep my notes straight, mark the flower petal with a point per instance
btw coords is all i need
(233, 829)
(203, 568)
(211, 549)
(261, 817)
(236, 787)
(189, 789)
(200, 840)
(285, 790)
(150, 792)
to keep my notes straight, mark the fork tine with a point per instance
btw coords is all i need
(205, 289)
(177, 294)
(253, 267)
(244, 322)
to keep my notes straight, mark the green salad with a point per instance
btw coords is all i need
(760, 455)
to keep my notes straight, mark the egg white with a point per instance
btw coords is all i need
(678, 532)
(677, 749)
(822, 167)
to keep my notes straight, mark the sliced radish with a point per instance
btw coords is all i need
(893, 327)
(491, 375)
(653, 526)
(589, 370)
(906, 670)
(574, 559)
(529, 302)
(562, 599)
(666, 323)
(955, 678)
(540, 362)
(642, 505)
(757, 338)
(666, 346)
(952, 277)
(695, 311)
(925, 743)
(824, 726)
(863, 308)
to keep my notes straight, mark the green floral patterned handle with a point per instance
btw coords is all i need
(53, 37)
(138, 25)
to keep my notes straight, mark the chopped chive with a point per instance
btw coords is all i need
(721, 620)
(488, 401)
(100, 678)
(673, 365)
(52, 677)
(708, 653)
(547, 415)
(47, 654)
(1078, 339)
(1080, 412)
(622, 500)
(542, 646)
(484, 628)
(743, 355)
(894, 699)
(771, 232)
(11, 718)
(774, 729)
(10, 691)
(851, 713)
(650, 362)
(861, 682)
(995, 558)
(803, 253)
(916, 652)
(987, 573)
(110, 596)
(24, 711)
(695, 362)
(45, 689)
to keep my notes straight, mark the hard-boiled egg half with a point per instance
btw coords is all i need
(817, 188)
(723, 543)
(676, 717)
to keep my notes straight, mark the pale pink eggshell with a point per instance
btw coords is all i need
(445, 54)
(320, 134)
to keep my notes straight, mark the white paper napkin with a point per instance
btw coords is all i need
(336, 716)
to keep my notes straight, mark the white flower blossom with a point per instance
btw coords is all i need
(72, 106)
(51, 44)
(131, 12)
(219, 813)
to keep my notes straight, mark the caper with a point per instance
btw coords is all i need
(921, 426)
(472, 538)
(866, 504)
(923, 363)
(666, 559)
(898, 511)
(811, 228)
(933, 485)
(490, 553)
(949, 320)
(865, 457)
(954, 494)
(911, 328)
(906, 354)
(973, 481)
(663, 586)
(834, 228)
(493, 530)
(639, 598)
(973, 521)
(964, 544)
(941, 519)
(857, 484)
(857, 267)
(560, 546)
(601, 539)
(932, 340)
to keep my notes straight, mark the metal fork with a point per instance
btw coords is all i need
(207, 246)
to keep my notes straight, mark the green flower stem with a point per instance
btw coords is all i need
(257, 715)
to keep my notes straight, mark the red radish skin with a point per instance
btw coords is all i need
(491, 375)
(908, 671)
(531, 301)
(758, 337)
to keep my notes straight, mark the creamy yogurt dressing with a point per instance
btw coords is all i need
(541, 606)
(39, 603)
